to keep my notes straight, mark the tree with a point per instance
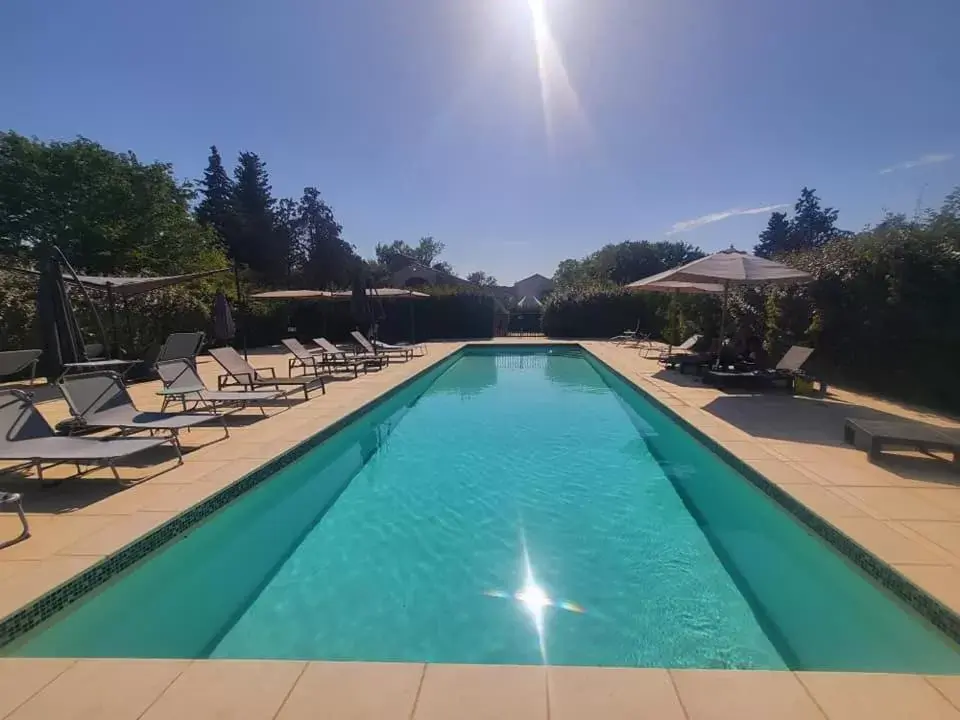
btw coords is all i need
(482, 279)
(625, 262)
(775, 237)
(811, 227)
(108, 212)
(255, 242)
(398, 254)
(287, 228)
(215, 210)
(330, 261)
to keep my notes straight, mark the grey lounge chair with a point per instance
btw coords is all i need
(100, 400)
(874, 435)
(8, 498)
(406, 353)
(666, 358)
(25, 435)
(415, 348)
(334, 357)
(181, 345)
(180, 380)
(784, 374)
(13, 361)
(240, 372)
(302, 357)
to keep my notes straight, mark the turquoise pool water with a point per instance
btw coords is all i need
(510, 506)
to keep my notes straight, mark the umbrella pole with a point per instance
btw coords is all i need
(723, 322)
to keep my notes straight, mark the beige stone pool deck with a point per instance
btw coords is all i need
(905, 510)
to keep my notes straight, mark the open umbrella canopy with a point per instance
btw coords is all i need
(674, 286)
(382, 293)
(292, 295)
(730, 267)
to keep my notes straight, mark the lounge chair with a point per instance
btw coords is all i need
(240, 372)
(13, 361)
(181, 345)
(873, 435)
(9, 498)
(25, 435)
(678, 352)
(406, 352)
(334, 357)
(415, 348)
(631, 336)
(180, 380)
(307, 359)
(100, 400)
(783, 375)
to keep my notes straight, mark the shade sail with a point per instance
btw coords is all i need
(130, 286)
(729, 267)
(293, 295)
(126, 286)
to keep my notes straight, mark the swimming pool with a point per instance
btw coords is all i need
(508, 506)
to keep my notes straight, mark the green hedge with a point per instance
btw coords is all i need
(605, 311)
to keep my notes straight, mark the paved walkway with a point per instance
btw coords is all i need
(907, 511)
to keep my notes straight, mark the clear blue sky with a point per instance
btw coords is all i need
(426, 117)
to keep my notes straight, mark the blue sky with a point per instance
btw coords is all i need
(427, 117)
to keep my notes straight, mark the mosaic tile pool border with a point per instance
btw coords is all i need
(46, 606)
(942, 617)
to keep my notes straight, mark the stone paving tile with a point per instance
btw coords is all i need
(897, 503)
(119, 533)
(49, 534)
(612, 693)
(482, 692)
(101, 689)
(733, 695)
(949, 687)
(944, 534)
(887, 542)
(782, 472)
(21, 679)
(824, 502)
(849, 696)
(941, 581)
(235, 689)
(38, 577)
(354, 691)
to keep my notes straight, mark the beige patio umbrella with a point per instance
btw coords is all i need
(675, 287)
(729, 268)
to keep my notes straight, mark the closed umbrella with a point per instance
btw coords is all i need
(62, 340)
(360, 304)
(729, 268)
(223, 326)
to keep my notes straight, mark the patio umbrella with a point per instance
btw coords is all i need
(676, 288)
(729, 268)
(223, 326)
(62, 340)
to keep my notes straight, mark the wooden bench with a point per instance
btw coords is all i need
(874, 435)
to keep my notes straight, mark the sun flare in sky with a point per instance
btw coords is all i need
(557, 96)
